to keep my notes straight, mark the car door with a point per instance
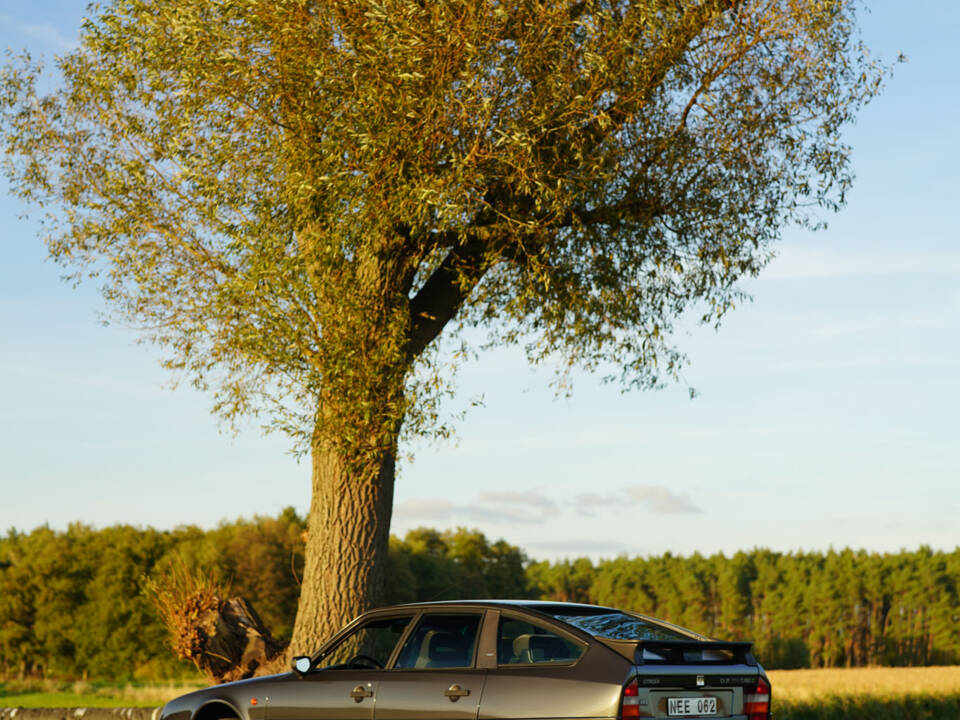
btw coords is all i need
(538, 675)
(435, 675)
(344, 680)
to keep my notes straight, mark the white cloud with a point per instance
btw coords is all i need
(587, 504)
(533, 499)
(866, 361)
(423, 509)
(594, 548)
(859, 326)
(795, 262)
(512, 508)
(499, 514)
(656, 498)
(660, 500)
(49, 35)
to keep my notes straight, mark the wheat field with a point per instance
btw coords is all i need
(810, 685)
(929, 693)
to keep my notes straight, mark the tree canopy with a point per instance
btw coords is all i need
(78, 601)
(294, 198)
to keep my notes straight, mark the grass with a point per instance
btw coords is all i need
(61, 693)
(867, 694)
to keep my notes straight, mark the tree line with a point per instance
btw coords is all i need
(841, 608)
(72, 602)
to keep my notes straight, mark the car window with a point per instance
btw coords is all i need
(369, 646)
(613, 624)
(441, 641)
(524, 643)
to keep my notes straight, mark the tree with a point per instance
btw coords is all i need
(297, 199)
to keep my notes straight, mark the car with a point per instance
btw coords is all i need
(499, 659)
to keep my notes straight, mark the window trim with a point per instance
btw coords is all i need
(555, 626)
(487, 642)
(682, 632)
(407, 631)
(420, 616)
(358, 624)
(687, 633)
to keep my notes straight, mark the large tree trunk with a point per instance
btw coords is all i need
(348, 532)
(360, 409)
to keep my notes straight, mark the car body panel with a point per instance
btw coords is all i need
(410, 690)
(517, 693)
(324, 695)
(421, 694)
(233, 696)
(726, 683)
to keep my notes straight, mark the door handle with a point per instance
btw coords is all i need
(455, 692)
(360, 692)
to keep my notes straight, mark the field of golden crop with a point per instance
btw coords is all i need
(813, 684)
(931, 693)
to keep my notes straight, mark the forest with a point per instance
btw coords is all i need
(73, 602)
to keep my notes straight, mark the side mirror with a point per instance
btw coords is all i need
(301, 665)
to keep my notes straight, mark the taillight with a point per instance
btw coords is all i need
(756, 703)
(630, 701)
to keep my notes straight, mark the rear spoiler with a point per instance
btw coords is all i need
(683, 652)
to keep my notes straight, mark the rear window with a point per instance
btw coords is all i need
(612, 624)
(524, 643)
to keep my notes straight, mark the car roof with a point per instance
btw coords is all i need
(531, 604)
(549, 607)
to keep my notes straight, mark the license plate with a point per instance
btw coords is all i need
(682, 707)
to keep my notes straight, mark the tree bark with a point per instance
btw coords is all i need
(348, 532)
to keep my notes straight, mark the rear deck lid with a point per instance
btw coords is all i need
(690, 678)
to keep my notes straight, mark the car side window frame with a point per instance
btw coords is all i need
(554, 627)
(401, 643)
(358, 625)
(415, 623)
(487, 641)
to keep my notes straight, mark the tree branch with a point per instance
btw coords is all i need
(665, 57)
(441, 296)
(620, 111)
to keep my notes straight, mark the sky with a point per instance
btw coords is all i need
(826, 413)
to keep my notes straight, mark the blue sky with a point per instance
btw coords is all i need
(827, 409)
